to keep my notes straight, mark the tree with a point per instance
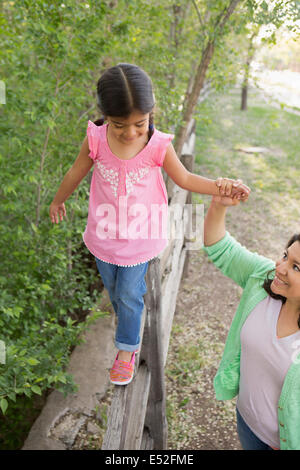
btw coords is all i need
(273, 16)
(213, 30)
(249, 59)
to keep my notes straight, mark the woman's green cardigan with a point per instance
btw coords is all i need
(249, 270)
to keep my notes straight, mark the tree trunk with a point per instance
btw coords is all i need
(192, 98)
(250, 55)
(244, 96)
(179, 14)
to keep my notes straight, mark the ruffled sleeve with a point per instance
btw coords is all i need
(93, 140)
(162, 142)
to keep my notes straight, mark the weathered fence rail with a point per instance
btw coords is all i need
(137, 417)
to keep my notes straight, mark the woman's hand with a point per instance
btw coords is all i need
(231, 193)
(57, 211)
(226, 201)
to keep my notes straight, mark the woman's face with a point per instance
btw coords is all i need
(287, 275)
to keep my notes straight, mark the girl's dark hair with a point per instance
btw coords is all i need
(268, 281)
(122, 89)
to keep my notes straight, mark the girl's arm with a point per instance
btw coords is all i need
(196, 183)
(73, 177)
(183, 178)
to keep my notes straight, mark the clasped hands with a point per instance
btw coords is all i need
(231, 192)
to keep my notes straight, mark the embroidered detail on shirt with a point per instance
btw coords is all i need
(133, 177)
(111, 176)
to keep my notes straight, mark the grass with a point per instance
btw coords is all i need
(190, 360)
(222, 130)
(222, 126)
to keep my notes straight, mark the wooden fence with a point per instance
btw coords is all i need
(137, 417)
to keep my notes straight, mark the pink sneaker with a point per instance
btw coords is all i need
(121, 372)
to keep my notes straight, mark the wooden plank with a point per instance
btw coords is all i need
(169, 294)
(147, 441)
(189, 145)
(127, 413)
(178, 200)
(156, 422)
(135, 411)
(156, 419)
(112, 436)
(188, 161)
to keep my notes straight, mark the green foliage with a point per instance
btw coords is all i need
(53, 54)
(45, 274)
(16, 421)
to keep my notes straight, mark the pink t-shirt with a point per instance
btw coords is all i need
(127, 219)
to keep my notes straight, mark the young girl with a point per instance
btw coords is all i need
(127, 153)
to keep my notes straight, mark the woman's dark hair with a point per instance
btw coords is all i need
(268, 281)
(124, 88)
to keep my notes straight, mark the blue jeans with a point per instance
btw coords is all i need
(247, 438)
(126, 287)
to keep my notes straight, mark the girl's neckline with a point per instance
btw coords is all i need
(105, 126)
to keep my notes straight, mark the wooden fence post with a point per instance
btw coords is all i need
(188, 162)
(155, 421)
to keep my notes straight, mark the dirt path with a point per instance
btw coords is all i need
(206, 304)
(203, 318)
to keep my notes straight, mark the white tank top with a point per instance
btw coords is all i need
(265, 360)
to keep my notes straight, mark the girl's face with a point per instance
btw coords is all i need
(287, 275)
(131, 129)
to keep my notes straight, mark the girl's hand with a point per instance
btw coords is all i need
(233, 188)
(57, 211)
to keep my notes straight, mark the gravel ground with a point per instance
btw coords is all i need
(206, 302)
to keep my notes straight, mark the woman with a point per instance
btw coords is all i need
(261, 360)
